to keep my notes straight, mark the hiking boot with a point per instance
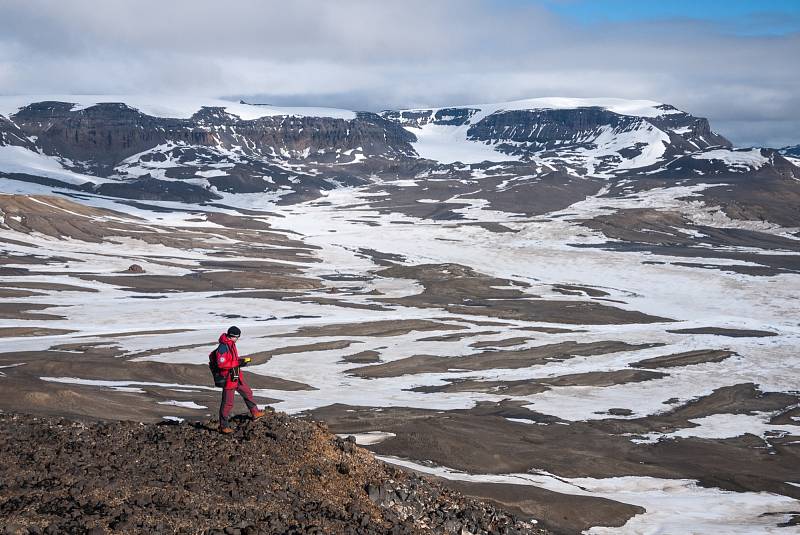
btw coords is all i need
(257, 414)
(225, 430)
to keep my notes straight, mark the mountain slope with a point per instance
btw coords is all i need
(513, 156)
(587, 136)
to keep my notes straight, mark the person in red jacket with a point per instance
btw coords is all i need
(229, 365)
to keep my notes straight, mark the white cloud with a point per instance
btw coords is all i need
(370, 55)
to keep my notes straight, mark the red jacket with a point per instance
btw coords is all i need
(227, 359)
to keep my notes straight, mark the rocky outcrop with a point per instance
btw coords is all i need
(274, 475)
(10, 134)
(95, 138)
(443, 116)
(688, 133)
(152, 189)
(537, 130)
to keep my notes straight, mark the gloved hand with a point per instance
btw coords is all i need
(244, 362)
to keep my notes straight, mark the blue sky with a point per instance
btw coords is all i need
(740, 17)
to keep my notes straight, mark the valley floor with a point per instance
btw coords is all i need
(589, 380)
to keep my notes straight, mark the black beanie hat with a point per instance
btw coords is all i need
(234, 331)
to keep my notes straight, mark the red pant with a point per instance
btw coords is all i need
(227, 401)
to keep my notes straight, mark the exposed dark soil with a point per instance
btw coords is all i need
(609, 378)
(684, 359)
(767, 264)
(559, 513)
(274, 475)
(461, 290)
(363, 357)
(454, 337)
(263, 356)
(373, 328)
(206, 281)
(9, 332)
(571, 289)
(529, 387)
(507, 342)
(721, 331)
(483, 440)
(509, 359)
(528, 197)
(22, 311)
(52, 286)
(658, 227)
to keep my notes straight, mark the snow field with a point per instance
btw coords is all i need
(672, 504)
(539, 255)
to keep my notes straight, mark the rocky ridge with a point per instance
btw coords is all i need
(274, 475)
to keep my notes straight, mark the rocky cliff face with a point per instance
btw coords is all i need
(212, 151)
(226, 148)
(105, 138)
(99, 137)
(531, 131)
(10, 134)
(443, 116)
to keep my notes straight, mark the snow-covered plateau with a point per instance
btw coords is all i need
(557, 304)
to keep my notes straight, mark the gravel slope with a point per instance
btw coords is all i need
(274, 475)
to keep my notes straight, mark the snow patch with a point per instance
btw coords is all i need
(184, 404)
(741, 159)
(15, 159)
(449, 144)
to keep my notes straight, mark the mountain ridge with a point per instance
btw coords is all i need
(196, 153)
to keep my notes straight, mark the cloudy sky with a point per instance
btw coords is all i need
(733, 61)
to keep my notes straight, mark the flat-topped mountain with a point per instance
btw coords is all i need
(205, 150)
(589, 136)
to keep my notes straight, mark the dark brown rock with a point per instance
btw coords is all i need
(275, 475)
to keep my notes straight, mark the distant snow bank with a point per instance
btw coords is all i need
(173, 106)
(449, 144)
(15, 159)
(752, 158)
